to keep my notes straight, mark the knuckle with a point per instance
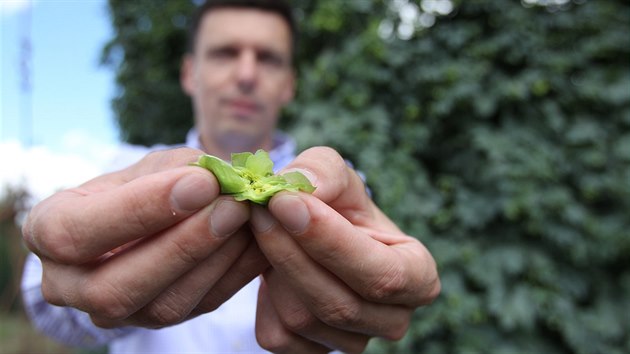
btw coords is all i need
(50, 294)
(435, 290)
(288, 262)
(164, 313)
(432, 285)
(52, 235)
(211, 301)
(105, 301)
(27, 233)
(188, 251)
(389, 284)
(104, 323)
(341, 313)
(299, 321)
(272, 339)
(397, 334)
(400, 319)
(428, 291)
(53, 289)
(398, 331)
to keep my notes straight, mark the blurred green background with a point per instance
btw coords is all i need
(496, 132)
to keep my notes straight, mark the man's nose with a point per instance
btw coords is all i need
(247, 71)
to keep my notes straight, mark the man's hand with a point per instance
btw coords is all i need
(151, 245)
(341, 272)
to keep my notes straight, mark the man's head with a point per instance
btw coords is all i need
(279, 7)
(239, 72)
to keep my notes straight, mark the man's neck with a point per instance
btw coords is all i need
(224, 149)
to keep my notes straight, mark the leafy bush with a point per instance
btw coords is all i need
(12, 251)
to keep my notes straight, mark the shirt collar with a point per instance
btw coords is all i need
(281, 154)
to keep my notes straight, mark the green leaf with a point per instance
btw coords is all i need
(239, 159)
(229, 179)
(260, 164)
(250, 177)
(299, 181)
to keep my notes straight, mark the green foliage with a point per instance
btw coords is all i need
(17, 334)
(12, 251)
(505, 129)
(146, 51)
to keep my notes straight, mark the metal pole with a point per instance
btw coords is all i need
(26, 75)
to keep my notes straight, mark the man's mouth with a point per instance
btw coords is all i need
(243, 107)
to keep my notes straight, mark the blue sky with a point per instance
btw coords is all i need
(70, 96)
(71, 135)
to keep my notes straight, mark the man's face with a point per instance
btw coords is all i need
(239, 76)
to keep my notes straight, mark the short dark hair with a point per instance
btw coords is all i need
(279, 7)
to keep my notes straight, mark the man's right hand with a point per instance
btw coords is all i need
(151, 245)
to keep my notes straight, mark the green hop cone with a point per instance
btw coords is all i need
(251, 177)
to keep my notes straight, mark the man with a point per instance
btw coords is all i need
(152, 259)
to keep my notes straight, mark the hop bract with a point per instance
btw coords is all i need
(251, 177)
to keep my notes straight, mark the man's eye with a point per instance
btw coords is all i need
(222, 53)
(271, 59)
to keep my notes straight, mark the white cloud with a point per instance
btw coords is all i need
(81, 142)
(40, 171)
(9, 8)
(43, 170)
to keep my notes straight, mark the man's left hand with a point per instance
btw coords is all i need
(341, 270)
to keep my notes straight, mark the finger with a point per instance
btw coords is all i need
(72, 227)
(379, 272)
(295, 316)
(271, 333)
(248, 266)
(325, 295)
(394, 275)
(153, 162)
(336, 184)
(128, 281)
(175, 303)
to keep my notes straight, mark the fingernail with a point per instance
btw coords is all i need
(292, 213)
(262, 221)
(192, 192)
(226, 217)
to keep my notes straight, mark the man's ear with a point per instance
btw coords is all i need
(186, 74)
